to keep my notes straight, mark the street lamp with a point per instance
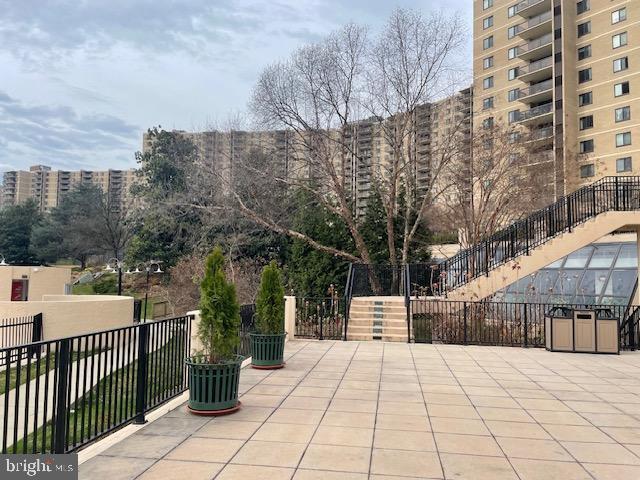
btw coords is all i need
(148, 268)
(118, 265)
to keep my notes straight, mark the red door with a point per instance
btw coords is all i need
(18, 290)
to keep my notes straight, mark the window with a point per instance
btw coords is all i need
(582, 6)
(619, 16)
(584, 29)
(585, 99)
(512, 31)
(586, 146)
(584, 52)
(487, 82)
(587, 170)
(487, 22)
(623, 164)
(619, 40)
(487, 103)
(514, 116)
(487, 42)
(584, 75)
(487, 4)
(623, 139)
(621, 89)
(620, 64)
(487, 62)
(514, 137)
(513, 73)
(623, 114)
(586, 122)
(512, 11)
(513, 95)
(487, 123)
(513, 53)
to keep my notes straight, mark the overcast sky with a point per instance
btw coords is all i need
(81, 80)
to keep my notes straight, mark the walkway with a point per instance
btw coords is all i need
(356, 411)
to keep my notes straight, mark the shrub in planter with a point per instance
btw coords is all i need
(214, 373)
(267, 345)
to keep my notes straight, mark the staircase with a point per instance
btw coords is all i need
(377, 318)
(574, 221)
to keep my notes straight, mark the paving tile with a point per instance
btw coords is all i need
(298, 416)
(404, 440)
(601, 453)
(612, 420)
(174, 426)
(623, 435)
(318, 392)
(495, 402)
(533, 449)
(356, 406)
(577, 433)
(403, 422)
(516, 429)
(284, 432)
(306, 403)
(548, 470)
(205, 450)
(506, 414)
(336, 458)
(467, 444)
(266, 389)
(272, 454)
(402, 408)
(246, 472)
(144, 446)
(349, 419)
(113, 468)
(453, 411)
(348, 436)
(458, 425)
(543, 404)
(233, 430)
(613, 472)
(354, 394)
(302, 474)
(251, 400)
(557, 418)
(248, 414)
(471, 467)
(405, 463)
(446, 399)
(165, 469)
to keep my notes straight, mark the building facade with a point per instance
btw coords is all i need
(47, 187)
(564, 71)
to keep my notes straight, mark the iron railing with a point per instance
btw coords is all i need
(18, 331)
(247, 326)
(491, 323)
(75, 390)
(321, 318)
(519, 238)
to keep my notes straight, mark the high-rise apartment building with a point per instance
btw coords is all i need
(564, 71)
(47, 187)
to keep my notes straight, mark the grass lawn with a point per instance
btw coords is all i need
(111, 402)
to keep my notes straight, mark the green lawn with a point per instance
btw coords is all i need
(112, 400)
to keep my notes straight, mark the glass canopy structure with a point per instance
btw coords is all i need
(600, 274)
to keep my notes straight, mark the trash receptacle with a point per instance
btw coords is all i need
(558, 326)
(584, 331)
(607, 332)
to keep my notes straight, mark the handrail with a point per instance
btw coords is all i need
(535, 112)
(536, 66)
(535, 88)
(533, 44)
(519, 238)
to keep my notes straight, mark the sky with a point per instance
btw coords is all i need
(81, 80)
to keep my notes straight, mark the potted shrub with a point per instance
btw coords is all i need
(214, 372)
(267, 345)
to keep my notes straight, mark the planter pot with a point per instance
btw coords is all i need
(267, 351)
(213, 387)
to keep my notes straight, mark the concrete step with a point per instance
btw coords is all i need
(371, 308)
(360, 338)
(384, 316)
(369, 322)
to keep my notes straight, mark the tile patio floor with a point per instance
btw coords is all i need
(383, 411)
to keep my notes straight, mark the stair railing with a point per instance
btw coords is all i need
(607, 194)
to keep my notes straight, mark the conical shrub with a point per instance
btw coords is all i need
(270, 301)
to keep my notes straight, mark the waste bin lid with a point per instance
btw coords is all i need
(560, 311)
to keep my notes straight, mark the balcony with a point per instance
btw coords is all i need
(536, 71)
(528, 8)
(537, 92)
(537, 48)
(540, 136)
(535, 26)
(537, 115)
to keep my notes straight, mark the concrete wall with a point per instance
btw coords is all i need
(42, 280)
(69, 315)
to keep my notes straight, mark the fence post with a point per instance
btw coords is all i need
(617, 197)
(320, 312)
(141, 375)
(464, 327)
(60, 435)
(36, 335)
(526, 327)
(486, 258)
(290, 316)
(569, 214)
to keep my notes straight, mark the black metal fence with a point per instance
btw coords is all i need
(60, 395)
(490, 323)
(376, 280)
(608, 194)
(321, 318)
(18, 331)
(247, 326)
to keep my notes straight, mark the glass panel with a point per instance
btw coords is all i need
(568, 281)
(614, 301)
(521, 285)
(603, 256)
(628, 257)
(556, 264)
(578, 259)
(591, 286)
(560, 299)
(544, 283)
(621, 283)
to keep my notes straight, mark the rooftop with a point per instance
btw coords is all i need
(358, 410)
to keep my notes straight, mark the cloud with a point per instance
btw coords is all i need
(59, 136)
